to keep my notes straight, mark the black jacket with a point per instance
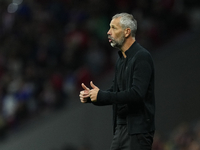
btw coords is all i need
(138, 95)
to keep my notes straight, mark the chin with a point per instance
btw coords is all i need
(112, 44)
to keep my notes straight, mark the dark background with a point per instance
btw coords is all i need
(49, 47)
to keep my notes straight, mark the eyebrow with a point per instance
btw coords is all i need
(111, 25)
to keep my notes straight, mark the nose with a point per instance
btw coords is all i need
(108, 32)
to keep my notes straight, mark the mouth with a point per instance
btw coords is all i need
(110, 39)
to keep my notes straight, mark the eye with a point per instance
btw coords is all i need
(114, 27)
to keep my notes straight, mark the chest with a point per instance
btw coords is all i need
(124, 73)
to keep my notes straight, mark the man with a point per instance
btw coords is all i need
(132, 92)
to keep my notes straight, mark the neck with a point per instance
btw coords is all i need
(127, 44)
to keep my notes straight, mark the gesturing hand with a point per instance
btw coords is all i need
(93, 92)
(84, 94)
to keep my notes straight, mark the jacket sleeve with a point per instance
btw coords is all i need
(103, 103)
(141, 76)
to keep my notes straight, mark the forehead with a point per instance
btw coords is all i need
(115, 22)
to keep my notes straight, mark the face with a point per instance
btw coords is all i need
(116, 33)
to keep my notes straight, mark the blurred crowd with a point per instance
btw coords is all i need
(186, 136)
(49, 47)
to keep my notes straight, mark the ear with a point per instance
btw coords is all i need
(127, 32)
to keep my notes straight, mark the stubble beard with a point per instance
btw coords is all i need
(118, 44)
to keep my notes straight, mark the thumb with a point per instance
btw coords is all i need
(84, 86)
(92, 85)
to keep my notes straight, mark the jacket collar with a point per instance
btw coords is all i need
(131, 51)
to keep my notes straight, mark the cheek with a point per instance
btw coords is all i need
(118, 35)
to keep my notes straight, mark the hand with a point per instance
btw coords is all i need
(84, 95)
(93, 92)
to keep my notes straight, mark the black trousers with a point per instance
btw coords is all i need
(123, 141)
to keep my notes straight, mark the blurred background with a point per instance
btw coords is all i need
(49, 47)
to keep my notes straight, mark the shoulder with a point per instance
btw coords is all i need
(143, 54)
(139, 51)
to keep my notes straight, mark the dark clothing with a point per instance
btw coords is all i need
(122, 110)
(132, 90)
(123, 141)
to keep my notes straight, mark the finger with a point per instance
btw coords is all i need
(84, 86)
(84, 93)
(91, 97)
(91, 92)
(84, 96)
(83, 100)
(92, 85)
